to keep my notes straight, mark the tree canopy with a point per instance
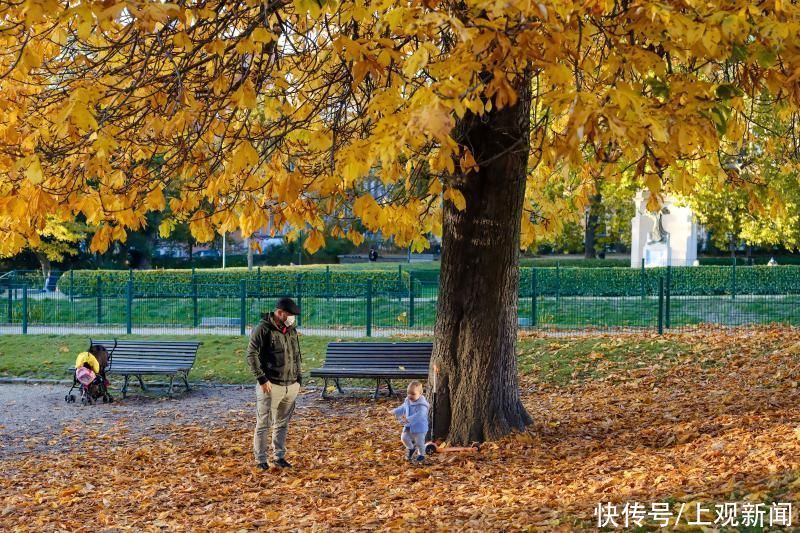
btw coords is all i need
(230, 112)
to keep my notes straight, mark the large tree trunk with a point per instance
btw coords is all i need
(249, 254)
(477, 394)
(44, 262)
(592, 222)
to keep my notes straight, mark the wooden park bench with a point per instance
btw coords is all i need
(139, 358)
(382, 361)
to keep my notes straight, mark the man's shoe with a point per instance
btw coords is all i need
(263, 466)
(283, 463)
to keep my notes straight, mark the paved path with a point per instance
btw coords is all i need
(36, 417)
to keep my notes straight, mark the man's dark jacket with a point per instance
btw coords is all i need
(273, 353)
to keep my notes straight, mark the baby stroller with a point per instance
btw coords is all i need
(90, 376)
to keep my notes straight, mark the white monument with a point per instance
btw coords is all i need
(668, 237)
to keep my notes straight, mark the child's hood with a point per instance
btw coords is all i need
(419, 401)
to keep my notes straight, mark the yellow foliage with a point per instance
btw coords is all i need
(292, 113)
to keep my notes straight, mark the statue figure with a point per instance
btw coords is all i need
(658, 233)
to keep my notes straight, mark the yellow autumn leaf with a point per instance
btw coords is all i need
(166, 227)
(314, 241)
(155, 201)
(289, 187)
(262, 35)
(467, 162)
(245, 96)
(355, 237)
(101, 239)
(201, 229)
(367, 209)
(244, 158)
(34, 170)
(455, 196)
(417, 61)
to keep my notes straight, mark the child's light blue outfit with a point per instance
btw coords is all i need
(416, 428)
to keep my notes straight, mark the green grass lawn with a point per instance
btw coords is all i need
(219, 359)
(222, 359)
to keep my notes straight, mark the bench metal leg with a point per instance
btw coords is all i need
(389, 384)
(125, 386)
(141, 382)
(186, 382)
(377, 389)
(325, 389)
(338, 386)
(169, 390)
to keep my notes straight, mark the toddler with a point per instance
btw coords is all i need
(414, 415)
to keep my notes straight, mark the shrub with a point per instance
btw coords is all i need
(701, 280)
(287, 281)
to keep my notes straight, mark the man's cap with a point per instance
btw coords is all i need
(288, 305)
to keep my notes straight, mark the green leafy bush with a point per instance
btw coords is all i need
(574, 263)
(289, 281)
(703, 280)
(315, 281)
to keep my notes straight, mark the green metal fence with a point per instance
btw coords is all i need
(548, 299)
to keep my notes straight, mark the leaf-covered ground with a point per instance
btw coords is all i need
(714, 418)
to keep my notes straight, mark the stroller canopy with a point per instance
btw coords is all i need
(86, 357)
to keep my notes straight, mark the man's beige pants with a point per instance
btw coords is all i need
(273, 411)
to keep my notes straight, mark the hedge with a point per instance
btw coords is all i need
(567, 281)
(756, 260)
(573, 262)
(703, 280)
(32, 278)
(217, 282)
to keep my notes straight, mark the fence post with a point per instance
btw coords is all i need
(733, 280)
(641, 277)
(399, 278)
(10, 302)
(99, 300)
(369, 308)
(242, 306)
(533, 297)
(129, 305)
(299, 293)
(661, 306)
(558, 282)
(194, 301)
(668, 297)
(328, 281)
(411, 300)
(71, 285)
(25, 309)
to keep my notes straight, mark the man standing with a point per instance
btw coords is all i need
(273, 355)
